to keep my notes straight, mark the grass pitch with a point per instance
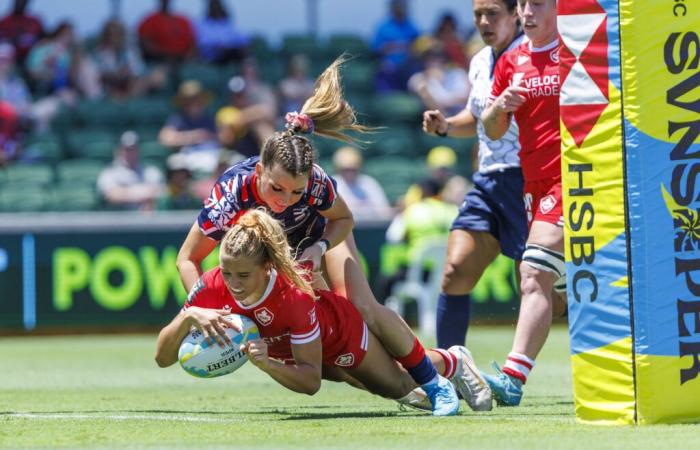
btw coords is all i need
(106, 392)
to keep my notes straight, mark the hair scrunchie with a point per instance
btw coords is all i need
(299, 123)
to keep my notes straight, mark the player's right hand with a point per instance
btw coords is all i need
(511, 99)
(212, 323)
(434, 121)
(257, 353)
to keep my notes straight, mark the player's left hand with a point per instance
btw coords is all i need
(313, 254)
(257, 353)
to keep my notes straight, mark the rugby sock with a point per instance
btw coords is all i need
(450, 362)
(419, 365)
(452, 319)
(518, 366)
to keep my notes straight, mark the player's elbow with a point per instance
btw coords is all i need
(162, 361)
(311, 384)
(312, 387)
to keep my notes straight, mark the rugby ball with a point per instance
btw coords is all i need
(203, 360)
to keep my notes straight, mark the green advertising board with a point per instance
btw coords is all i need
(121, 271)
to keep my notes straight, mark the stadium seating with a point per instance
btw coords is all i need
(352, 44)
(44, 147)
(260, 49)
(358, 77)
(79, 171)
(153, 150)
(300, 43)
(395, 174)
(102, 114)
(23, 198)
(23, 175)
(91, 143)
(395, 141)
(72, 197)
(209, 76)
(151, 111)
(396, 107)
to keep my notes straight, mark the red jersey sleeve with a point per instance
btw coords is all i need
(303, 324)
(206, 292)
(502, 75)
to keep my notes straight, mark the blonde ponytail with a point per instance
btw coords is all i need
(326, 113)
(330, 112)
(258, 236)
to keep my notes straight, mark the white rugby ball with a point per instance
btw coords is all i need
(204, 360)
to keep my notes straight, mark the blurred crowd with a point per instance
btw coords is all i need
(147, 118)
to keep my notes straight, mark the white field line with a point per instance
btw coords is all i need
(103, 416)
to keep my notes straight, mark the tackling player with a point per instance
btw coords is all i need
(318, 223)
(526, 85)
(301, 329)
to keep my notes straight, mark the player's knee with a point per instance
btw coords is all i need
(540, 269)
(457, 279)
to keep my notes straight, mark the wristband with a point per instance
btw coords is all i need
(324, 244)
(444, 133)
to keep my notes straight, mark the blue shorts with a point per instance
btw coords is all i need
(495, 205)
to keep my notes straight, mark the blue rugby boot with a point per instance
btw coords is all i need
(506, 390)
(442, 396)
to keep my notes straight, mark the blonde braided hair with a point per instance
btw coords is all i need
(261, 238)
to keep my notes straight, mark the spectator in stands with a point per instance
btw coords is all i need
(119, 63)
(166, 37)
(453, 46)
(296, 86)
(49, 62)
(441, 161)
(192, 124)
(179, 190)
(218, 40)
(9, 132)
(21, 29)
(58, 66)
(192, 129)
(202, 186)
(126, 183)
(392, 44)
(362, 193)
(440, 85)
(420, 224)
(13, 89)
(234, 132)
(258, 114)
(256, 90)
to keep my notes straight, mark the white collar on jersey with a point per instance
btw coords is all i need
(268, 289)
(549, 46)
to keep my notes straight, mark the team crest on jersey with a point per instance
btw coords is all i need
(345, 360)
(547, 204)
(264, 316)
(554, 55)
(312, 316)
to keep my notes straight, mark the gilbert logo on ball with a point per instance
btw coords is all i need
(203, 360)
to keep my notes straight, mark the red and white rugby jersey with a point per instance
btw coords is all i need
(536, 69)
(235, 192)
(285, 315)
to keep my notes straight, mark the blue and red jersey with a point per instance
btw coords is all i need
(235, 192)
